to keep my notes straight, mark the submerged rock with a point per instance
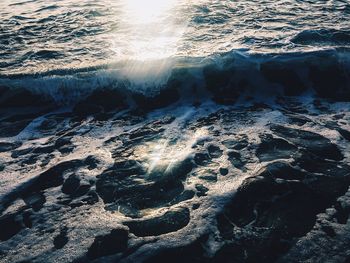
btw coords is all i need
(275, 148)
(312, 142)
(61, 239)
(232, 184)
(116, 241)
(171, 221)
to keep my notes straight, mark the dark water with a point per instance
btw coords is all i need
(51, 46)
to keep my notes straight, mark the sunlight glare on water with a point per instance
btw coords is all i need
(41, 36)
(142, 12)
(152, 27)
(151, 31)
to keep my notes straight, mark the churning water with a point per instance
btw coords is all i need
(94, 43)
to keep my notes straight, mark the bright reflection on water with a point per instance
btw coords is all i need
(150, 29)
(143, 12)
(39, 36)
(163, 153)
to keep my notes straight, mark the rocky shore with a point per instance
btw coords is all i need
(174, 182)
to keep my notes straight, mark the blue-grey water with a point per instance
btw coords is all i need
(44, 34)
(145, 37)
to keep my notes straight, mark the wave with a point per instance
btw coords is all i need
(222, 77)
(322, 36)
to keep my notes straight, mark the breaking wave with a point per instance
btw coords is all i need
(223, 77)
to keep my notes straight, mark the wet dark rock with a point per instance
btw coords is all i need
(195, 206)
(27, 218)
(47, 160)
(282, 170)
(316, 164)
(312, 142)
(82, 190)
(115, 242)
(17, 153)
(43, 149)
(89, 199)
(270, 210)
(31, 159)
(7, 146)
(201, 158)
(150, 131)
(283, 205)
(128, 167)
(71, 184)
(53, 177)
(10, 225)
(209, 178)
(202, 190)
(268, 198)
(192, 252)
(63, 141)
(185, 195)
(274, 148)
(253, 190)
(92, 162)
(235, 144)
(61, 240)
(344, 133)
(214, 151)
(328, 187)
(207, 121)
(66, 150)
(297, 119)
(121, 185)
(254, 247)
(141, 133)
(35, 200)
(334, 126)
(171, 221)
(236, 159)
(223, 171)
(339, 116)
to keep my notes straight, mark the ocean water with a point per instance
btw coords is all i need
(71, 45)
(174, 131)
